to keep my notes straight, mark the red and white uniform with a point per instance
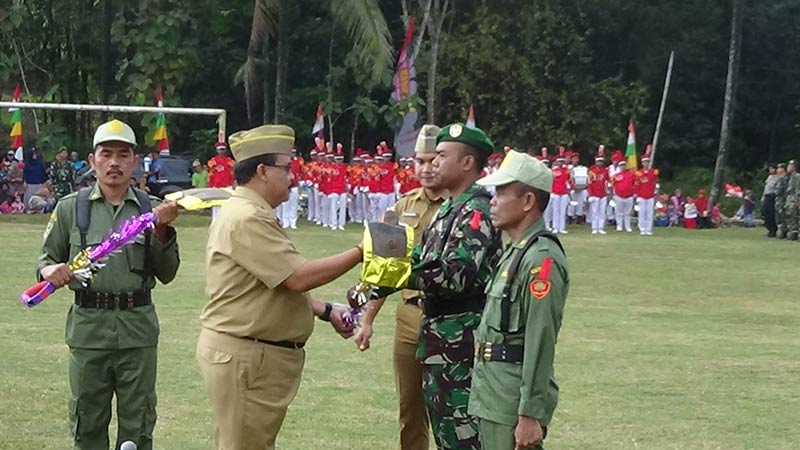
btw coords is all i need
(337, 195)
(598, 200)
(646, 180)
(623, 183)
(220, 171)
(559, 198)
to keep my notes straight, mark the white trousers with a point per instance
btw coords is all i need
(560, 203)
(337, 210)
(312, 204)
(548, 215)
(646, 208)
(321, 200)
(597, 212)
(385, 202)
(289, 209)
(623, 207)
(578, 196)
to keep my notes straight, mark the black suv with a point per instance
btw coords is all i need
(175, 175)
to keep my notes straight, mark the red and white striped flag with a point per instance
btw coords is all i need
(471, 117)
(319, 123)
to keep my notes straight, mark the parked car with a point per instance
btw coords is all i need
(175, 175)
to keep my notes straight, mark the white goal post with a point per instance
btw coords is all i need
(220, 113)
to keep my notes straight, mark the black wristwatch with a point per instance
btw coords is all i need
(326, 315)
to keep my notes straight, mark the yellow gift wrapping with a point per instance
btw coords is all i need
(386, 272)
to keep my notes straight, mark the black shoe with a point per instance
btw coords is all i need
(771, 235)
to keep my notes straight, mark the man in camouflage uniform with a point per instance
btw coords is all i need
(791, 212)
(62, 175)
(780, 199)
(452, 266)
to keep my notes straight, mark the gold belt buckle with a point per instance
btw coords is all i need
(487, 351)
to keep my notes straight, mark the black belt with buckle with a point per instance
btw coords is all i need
(112, 300)
(284, 344)
(488, 351)
(414, 301)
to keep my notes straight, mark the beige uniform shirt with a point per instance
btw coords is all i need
(416, 210)
(248, 256)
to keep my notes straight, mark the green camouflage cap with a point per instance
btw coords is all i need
(115, 130)
(781, 165)
(474, 137)
(520, 167)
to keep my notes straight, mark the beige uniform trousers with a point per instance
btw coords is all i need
(250, 386)
(414, 428)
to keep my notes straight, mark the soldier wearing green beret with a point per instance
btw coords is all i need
(514, 391)
(792, 205)
(780, 199)
(416, 209)
(112, 327)
(451, 266)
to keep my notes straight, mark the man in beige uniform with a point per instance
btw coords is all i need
(416, 209)
(259, 316)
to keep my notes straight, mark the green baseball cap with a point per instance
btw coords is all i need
(115, 130)
(520, 167)
(474, 137)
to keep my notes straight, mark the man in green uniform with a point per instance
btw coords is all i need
(452, 266)
(62, 175)
(415, 209)
(514, 391)
(780, 200)
(112, 327)
(791, 213)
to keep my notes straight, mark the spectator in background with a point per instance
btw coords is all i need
(154, 172)
(690, 214)
(200, 175)
(34, 173)
(77, 163)
(716, 216)
(748, 208)
(62, 175)
(5, 198)
(675, 208)
(17, 207)
(701, 203)
(6, 162)
(16, 180)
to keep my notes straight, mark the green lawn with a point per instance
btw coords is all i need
(683, 340)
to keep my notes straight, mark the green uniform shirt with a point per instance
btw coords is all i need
(103, 328)
(502, 391)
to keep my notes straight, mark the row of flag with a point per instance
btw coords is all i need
(160, 136)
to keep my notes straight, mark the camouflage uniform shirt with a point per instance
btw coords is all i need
(62, 176)
(451, 264)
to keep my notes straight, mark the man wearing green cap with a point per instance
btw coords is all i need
(62, 175)
(112, 327)
(451, 266)
(514, 391)
(259, 314)
(415, 209)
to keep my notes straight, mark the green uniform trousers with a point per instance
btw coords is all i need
(414, 428)
(95, 375)
(496, 436)
(791, 216)
(446, 388)
(779, 216)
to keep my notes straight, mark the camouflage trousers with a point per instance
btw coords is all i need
(446, 389)
(779, 219)
(791, 215)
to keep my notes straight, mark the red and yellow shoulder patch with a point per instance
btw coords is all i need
(540, 287)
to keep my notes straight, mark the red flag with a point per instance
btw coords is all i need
(471, 117)
(319, 122)
(17, 93)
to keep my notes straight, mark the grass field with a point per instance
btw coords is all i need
(683, 340)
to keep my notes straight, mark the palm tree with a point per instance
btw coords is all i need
(361, 19)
